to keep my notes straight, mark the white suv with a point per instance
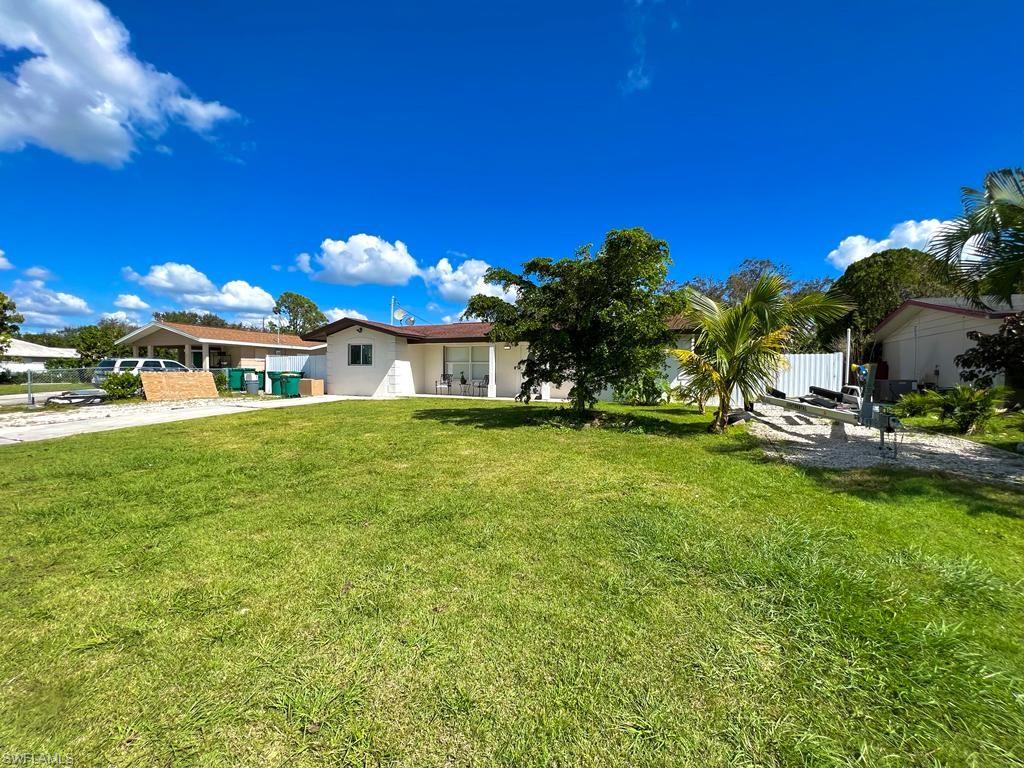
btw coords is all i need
(111, 365)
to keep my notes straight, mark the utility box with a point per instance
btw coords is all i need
(311, 387)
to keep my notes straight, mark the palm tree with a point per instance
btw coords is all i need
(983, 250)
(741, 347)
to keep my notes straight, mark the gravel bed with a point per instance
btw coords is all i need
(822, 443)
(70, 414)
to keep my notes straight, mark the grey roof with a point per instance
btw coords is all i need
(21, 348)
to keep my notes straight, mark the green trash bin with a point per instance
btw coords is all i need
(290, 384)
(275, 382)
(263, 381)
(236, 381)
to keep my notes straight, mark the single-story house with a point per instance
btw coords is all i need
(380, 360)
(921, 338)
(26, 356)
(207, 347)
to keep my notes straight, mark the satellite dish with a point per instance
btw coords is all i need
(410, 320)
(400, 313)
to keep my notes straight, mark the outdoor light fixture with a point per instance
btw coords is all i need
(507, 345)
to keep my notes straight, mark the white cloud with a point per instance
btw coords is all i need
(83, 93)
(172, 278)
(44, 307)
(302, 264)
(458, 284)
(360, 260)
(38, 273)
(130, 301)
(4, 263)
(453, 318)
(188, 284)
(122, 317)
(908, 234)
(336, 313)
(235, 294)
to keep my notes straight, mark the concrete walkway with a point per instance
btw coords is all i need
(48, 424)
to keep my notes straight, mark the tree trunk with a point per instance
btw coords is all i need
(721, 420)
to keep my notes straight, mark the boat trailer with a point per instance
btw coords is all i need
(853, 405)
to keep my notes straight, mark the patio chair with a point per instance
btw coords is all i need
(481, 384)
(445, 383)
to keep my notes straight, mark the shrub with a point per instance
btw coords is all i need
(647, 388)
(220, 380)
(969, 409)
(121, 386)
(12, 377)
(913, 404)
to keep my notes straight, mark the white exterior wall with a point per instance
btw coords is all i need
(401, 368)
(929, 340)
(366, 380)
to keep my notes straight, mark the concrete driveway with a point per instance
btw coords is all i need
(48, 424)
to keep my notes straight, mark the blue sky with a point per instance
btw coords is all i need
(158, 156)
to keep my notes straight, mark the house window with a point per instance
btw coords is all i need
(360, 354)
(469, 363)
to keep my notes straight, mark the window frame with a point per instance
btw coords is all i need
(362, 346)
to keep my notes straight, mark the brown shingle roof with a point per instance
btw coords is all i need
(425, 333)
(238, 334)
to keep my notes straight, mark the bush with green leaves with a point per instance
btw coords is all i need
(647, 388)
(913, 404)
(220, 380)
(968, 408)
(122, 386)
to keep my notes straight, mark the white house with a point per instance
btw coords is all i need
(206, 347)
(380, 360)
(26, 356)
(922, 337)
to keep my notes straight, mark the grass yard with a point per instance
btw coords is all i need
(431, 582)
(1004, 431)
(22, 389)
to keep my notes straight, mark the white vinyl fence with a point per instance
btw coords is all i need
(801, 372)
(311, 366)
(814, 370)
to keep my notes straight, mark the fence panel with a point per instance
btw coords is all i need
(311, 366)
(39, 385)
(804, 371)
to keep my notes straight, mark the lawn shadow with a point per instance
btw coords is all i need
(879, 484)
(514, 416)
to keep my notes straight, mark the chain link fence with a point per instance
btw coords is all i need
(41, 385)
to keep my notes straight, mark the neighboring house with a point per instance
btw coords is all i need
(206, 347)
(922, 337)
(25, 356)
(380, 360)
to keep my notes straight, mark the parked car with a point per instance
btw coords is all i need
(110, 365)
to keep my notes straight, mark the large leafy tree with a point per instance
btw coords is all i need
(995, 353)
(876, 286)
(595, 320)
(94, 342)
(190, 317)
(10, 321)
(298, 313)
(740, 347)
(983, 250)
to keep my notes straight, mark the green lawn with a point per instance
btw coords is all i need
(22, 389)
(1004, 431)
(429, 582)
